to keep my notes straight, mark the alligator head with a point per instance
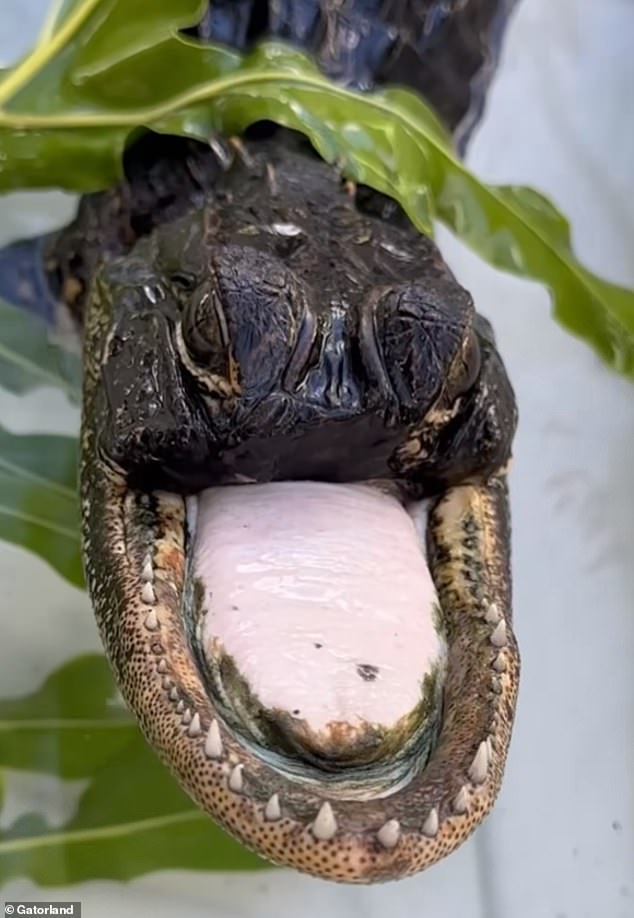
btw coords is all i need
(277, 383)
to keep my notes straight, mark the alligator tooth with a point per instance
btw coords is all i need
(147, 573)
(430, 826)
(180, 707)
(460, 803)
(194, 727)
(325, 824)
(272, 810)
(162, 665)
(147, 594)
(213, 741)
(389, 834)
(498, 638)
(151, 620)
(166, 682)
(173, 693)
(187, 716)
(480, 764)
(499, 664)
(492, 614)
(235, 779)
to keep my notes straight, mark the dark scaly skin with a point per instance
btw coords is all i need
(468, 539)
(446, 50)
(453, 440)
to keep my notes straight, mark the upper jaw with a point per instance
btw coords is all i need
(136, 547)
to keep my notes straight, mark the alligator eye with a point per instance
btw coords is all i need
(241, 322)
(422, 332)
(206, 336)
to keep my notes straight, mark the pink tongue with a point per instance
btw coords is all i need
(321, 595)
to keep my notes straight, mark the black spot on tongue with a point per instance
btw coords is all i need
(367, 671)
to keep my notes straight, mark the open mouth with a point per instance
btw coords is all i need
(326, 663)
(308, 647)
(359, 732)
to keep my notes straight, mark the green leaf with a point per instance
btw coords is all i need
(38, 499)
(29, 358)
(71, 726)
(100, 73)
(38, 473)
(131, 819)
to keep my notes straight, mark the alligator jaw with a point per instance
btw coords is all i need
(135, 547)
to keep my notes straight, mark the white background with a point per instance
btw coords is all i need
(560, 843)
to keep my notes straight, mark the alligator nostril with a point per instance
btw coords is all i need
(332, 381)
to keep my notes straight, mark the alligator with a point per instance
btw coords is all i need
(296, 435)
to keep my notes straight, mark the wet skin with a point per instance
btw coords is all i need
(251, 318)
(217, 345)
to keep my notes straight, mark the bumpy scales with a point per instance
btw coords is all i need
(247, 318)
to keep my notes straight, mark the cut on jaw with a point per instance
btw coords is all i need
(356, 822)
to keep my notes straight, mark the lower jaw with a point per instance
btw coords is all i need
(378, 824)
